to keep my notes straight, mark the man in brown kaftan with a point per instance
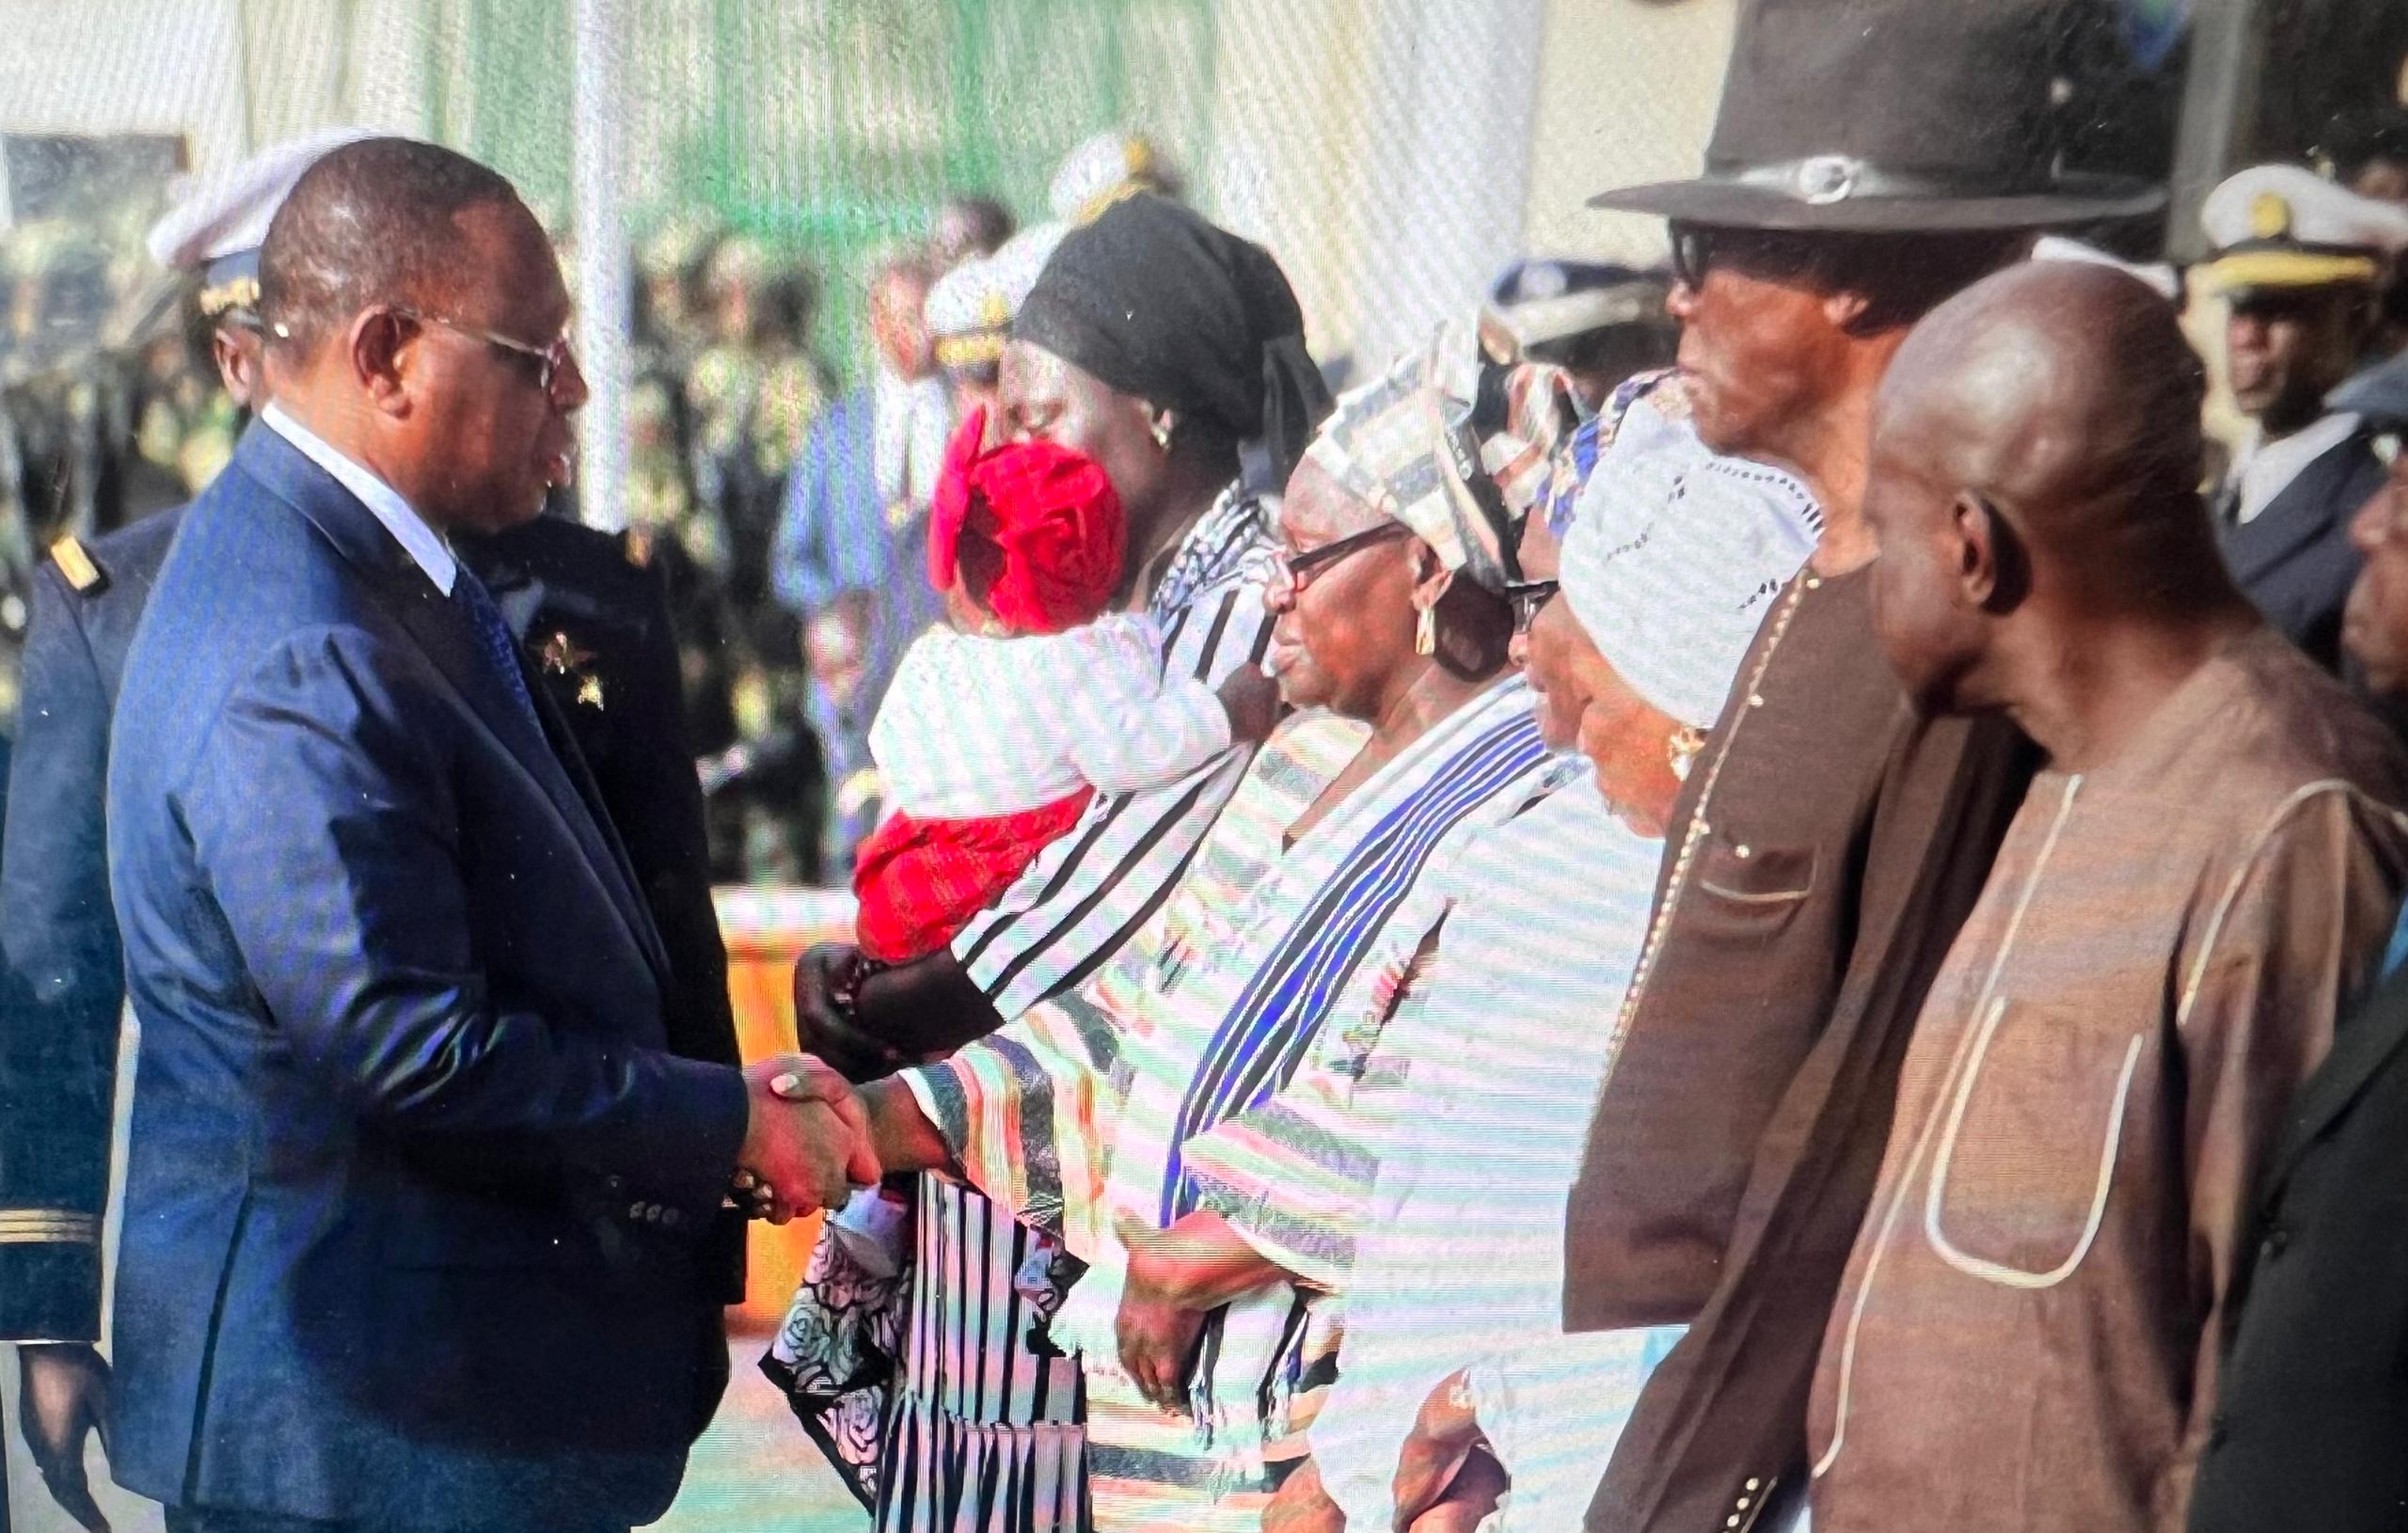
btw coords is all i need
(2200, 879)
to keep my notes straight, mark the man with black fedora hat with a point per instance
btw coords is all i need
(1870, 160)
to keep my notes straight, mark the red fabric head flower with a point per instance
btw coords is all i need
(1052, 517)
(949, 504)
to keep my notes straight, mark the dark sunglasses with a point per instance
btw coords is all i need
(1526, 598)
(1301, 570)
(1698, 248)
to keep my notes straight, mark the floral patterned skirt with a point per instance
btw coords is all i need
(933, 1391)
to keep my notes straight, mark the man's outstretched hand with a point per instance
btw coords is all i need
(807, 1142)
(65, 1398)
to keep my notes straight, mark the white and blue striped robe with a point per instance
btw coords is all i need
(1074, 1115)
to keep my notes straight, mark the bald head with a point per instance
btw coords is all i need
(2062, 391)
(2034, 480)
(377, 221)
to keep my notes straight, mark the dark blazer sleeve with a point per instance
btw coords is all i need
(347, 900)
(63, 987)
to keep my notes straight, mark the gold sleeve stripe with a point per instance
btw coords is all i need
(48, 1226)
(74, 564)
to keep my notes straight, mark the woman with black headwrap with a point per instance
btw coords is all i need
(1172, 353)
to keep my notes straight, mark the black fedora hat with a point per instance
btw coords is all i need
(1880, 116)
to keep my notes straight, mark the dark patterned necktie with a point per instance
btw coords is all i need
(499, 649)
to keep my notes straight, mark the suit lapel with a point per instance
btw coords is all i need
(442, 632)
(2302, 512)
(2361, 1048)
(571, 760)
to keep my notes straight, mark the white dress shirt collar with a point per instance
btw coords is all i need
(424, 546)
(2267, 469)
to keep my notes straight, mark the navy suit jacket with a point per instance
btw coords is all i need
(580, 600)
(2294, 559)
(2311, 1426)
(415, 1183)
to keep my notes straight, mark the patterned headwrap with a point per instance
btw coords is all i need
(1456, 447)
(1676, 553)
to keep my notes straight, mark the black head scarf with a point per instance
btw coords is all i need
(1157, 301)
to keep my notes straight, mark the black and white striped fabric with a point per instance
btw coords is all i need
(984, 1434)
(1089, 893)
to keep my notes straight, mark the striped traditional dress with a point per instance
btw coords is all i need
(1078, 1113)
(979, 1433)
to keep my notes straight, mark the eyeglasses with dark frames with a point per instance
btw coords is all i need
(1301, 570)
(1698, 248)
(1526, 598)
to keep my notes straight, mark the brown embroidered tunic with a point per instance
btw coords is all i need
(2026, 1335)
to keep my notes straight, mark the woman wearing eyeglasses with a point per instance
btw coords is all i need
(1468, 1114)
(1305, 906)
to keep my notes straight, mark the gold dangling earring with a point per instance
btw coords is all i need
(1160, 426)
(1425, 632)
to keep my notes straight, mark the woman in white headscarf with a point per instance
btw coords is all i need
(1473, 1104)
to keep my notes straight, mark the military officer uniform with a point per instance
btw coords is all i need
(2283, 515)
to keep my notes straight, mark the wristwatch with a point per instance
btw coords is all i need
(1682, 745)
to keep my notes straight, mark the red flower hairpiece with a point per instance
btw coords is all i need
(1050, 513)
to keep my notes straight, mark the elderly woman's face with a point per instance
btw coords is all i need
(1584, 704)
(1340, 640)
(1041, 395)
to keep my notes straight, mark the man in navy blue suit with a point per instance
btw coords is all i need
(417, 1186)
(592, 617)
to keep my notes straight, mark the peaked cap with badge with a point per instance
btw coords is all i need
(2283, 515)
(1543, 305)
(219, 221)
(2284, 226)
(969, 308)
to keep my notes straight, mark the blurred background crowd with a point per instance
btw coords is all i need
(778, 170)
(110, 410)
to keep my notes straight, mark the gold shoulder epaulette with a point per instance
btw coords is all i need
(638, 543)
(77, 565)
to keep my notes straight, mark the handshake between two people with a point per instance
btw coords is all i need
(807, 1141)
